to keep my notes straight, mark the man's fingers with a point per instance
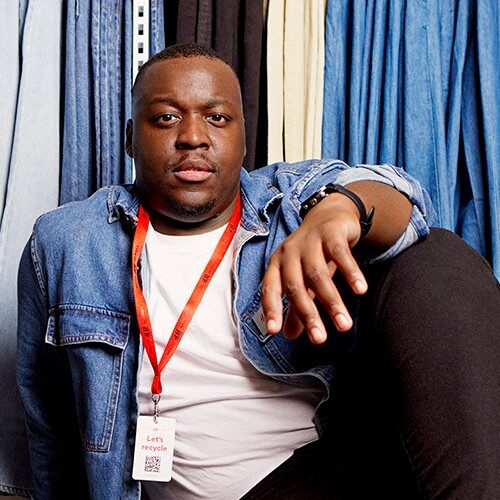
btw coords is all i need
(301, 302)
(315, 329)
(318, 275)
(293, 327)
(340, 253)
(294, 271)
(271, 299)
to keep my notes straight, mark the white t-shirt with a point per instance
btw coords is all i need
(234, 425)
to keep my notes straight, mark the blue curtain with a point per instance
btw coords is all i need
(156, 27)
(97, 86)
(417, 84)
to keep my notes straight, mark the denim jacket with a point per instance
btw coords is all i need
(79, 349)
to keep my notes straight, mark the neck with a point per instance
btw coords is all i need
(173, 227)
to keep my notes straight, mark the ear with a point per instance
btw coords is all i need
(128, 138)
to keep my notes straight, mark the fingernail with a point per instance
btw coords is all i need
(318, 335)
(360, 286)
(342, 322)
(271, 325)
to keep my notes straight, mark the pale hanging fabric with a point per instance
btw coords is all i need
(275, 73)
(296, 52)
(29, 178)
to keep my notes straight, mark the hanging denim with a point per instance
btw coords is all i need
(157, 26)
(30, 85)
(417, 84)
(481, 130)
(97, 96)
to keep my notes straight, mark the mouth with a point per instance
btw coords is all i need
(193, 170)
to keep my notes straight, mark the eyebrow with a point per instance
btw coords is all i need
(211, 103)
(164, 100)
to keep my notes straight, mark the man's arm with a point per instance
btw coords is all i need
(44, 382)
(392, 214)
(303, 265)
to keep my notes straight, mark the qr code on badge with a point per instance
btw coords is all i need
(152, 464)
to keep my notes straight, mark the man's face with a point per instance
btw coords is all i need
(188, 141)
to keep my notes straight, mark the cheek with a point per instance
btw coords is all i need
(153, 141)
(239, 146)
(231, 147)
(152, 152)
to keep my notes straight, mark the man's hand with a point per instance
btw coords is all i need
(303, 265)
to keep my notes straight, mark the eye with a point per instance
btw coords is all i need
(166, 119)
(217, 119)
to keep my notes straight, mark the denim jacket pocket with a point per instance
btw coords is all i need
(94, 340)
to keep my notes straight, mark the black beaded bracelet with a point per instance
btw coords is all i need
(365, 219)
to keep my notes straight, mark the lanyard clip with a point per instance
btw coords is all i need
(156, 410)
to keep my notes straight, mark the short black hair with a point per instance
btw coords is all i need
(179, 50)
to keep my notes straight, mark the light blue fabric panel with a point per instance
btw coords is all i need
(30, 153)
(9, 82)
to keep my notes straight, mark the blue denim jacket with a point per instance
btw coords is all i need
(79, 349)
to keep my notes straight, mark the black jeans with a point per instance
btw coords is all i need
(416, 404)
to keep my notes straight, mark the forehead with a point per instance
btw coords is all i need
(190, 79)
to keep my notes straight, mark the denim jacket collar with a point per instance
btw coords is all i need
(123, 201)
(258, 194)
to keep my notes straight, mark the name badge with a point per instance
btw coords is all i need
(260, 320)
(154, 449)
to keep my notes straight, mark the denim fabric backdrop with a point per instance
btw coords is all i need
(97, 91)
(94, 57)
(30, 92)
(417, 84)
(156, 26)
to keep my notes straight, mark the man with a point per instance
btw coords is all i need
(125, 327)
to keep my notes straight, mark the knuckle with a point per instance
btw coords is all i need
(315, 275)
(338, 249)
(334, 305)
(274, 260)
(293, 289)
(310, 320)
(267, 290)
(287, 247)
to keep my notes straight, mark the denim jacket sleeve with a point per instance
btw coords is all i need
(44, 380)
(297, 181)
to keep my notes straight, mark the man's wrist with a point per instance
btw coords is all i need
(365, 219)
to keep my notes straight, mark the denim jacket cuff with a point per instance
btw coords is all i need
(422, 212)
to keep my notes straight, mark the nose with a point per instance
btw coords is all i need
(192, 134)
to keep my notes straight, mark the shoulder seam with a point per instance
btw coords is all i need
(36, 264)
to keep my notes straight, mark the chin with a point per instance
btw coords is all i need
(191, 212)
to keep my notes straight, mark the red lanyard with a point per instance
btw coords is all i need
(193, 302)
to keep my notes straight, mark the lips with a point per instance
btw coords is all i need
(193, 170)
